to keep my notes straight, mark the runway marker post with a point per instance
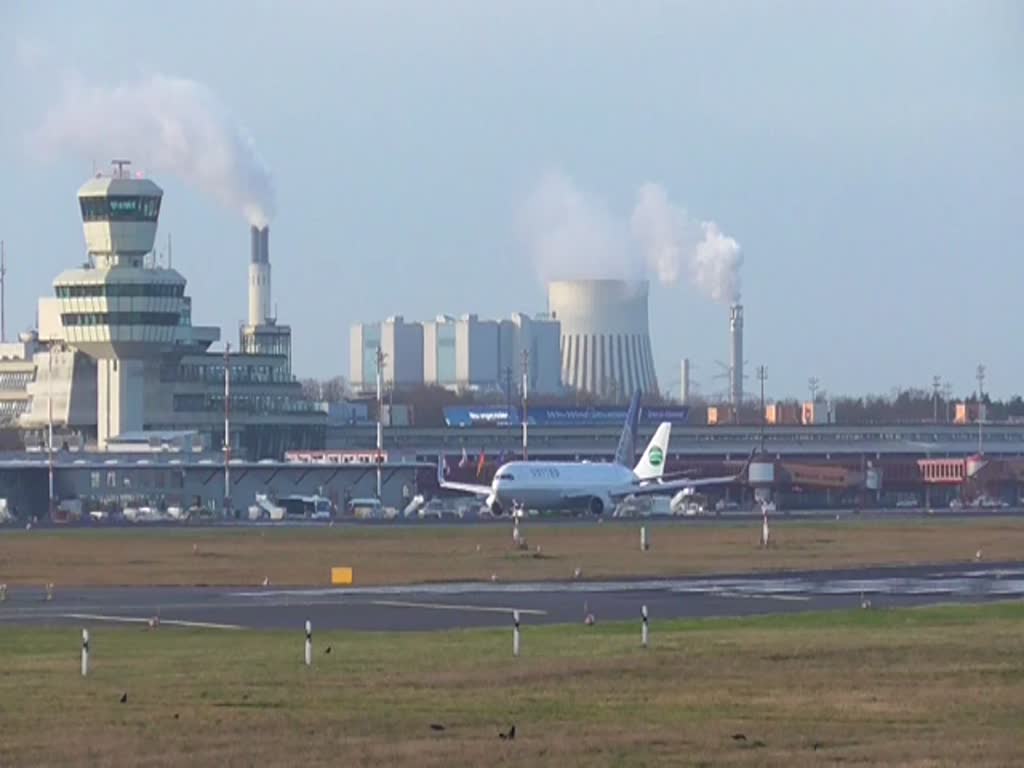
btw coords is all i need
(49, 591)
(645, 544)
(643, 626)
(515, 529)
(309, 643)
(515, 633)
(85, 652)
(3, 593)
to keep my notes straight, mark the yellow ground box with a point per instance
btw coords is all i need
(341, 576)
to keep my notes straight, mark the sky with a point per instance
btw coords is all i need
(867, 158)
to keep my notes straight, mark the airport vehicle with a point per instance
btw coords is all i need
(366, 508)
(309, 507)
(549, 485)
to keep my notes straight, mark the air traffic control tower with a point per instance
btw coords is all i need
(120, 308)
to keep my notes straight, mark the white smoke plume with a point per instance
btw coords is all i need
(165, 124)
(573, 236)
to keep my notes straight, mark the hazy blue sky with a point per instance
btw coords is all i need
(868, 157)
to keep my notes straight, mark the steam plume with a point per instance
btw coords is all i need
(574, 236)
(166, 124)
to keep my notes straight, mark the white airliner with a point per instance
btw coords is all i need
(546, 485)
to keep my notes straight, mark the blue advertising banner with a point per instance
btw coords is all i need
(487, 415)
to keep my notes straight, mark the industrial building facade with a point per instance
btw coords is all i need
(466, 353)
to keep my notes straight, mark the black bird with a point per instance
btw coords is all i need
(327, 649)
(436, 727)
(508, 736)
(124, 697)
(175, 715)
(738, 737)
(817, 745)
(758, 743)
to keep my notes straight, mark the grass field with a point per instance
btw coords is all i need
(406, 554)
(937, 686)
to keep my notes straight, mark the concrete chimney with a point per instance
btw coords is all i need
(736, 356)
(259, 276)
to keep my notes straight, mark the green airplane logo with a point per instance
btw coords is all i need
(655, 456)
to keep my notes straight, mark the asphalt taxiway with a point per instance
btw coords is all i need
(462, 605)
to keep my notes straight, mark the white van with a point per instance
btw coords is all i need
(366, 509)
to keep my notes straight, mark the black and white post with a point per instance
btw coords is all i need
(85, 652)
(643, 626)
(309, 643)
(515, 633)
(644, 543)
(764, 527)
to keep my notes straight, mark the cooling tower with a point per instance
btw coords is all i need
(606, 343)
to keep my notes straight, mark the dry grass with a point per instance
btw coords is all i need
(921, 688)
(406, 554)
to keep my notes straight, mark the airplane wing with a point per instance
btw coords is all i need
(673, 486)
(476, 490)
(666, 487)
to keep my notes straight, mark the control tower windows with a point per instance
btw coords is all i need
(120, 318)
(120, 208)
(112, 290)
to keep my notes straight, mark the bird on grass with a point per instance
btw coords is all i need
(739, 737)
(124, 697)
(436, 727)
(327, 649)
(266, 581)
(508, 736)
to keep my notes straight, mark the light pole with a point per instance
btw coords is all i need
(227, 429)
(762, 375)
(380, 416)
(49, 427)
(936, 388)
(980, 375)
(526, 381)
(813, 384)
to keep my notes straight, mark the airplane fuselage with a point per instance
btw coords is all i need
(546, 485)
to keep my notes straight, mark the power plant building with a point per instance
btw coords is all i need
(459, 353)
(605, 339)
(116, 357)
(402, 346)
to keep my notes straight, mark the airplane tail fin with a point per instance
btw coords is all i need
(626, 451)
(652, 464)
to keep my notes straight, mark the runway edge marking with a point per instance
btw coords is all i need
(451, 607)
(142, 620)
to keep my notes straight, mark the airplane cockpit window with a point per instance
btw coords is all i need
(505, 476)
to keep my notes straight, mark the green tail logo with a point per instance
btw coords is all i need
(655, 456)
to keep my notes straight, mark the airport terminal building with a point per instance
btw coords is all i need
(115, 354)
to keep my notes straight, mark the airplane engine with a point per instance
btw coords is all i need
(596, 505)
(493, 505)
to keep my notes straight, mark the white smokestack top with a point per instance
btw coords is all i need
(259, 276)
(166, 124)
(574, 236)
(736, 355)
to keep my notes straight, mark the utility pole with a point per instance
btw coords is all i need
(947, 396)
(49, 425)
(380, 415)
(762, 375)
(526, 381)
(813, 384)
(3, 294)
(227, 429)
(936, 388)
(980, 375)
